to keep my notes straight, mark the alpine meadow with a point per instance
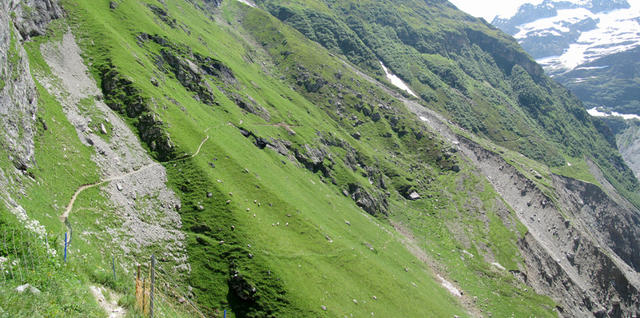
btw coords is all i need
(300, 158)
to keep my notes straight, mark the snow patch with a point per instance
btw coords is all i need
(587, 68)
(247, 2)
(498, 266)
(396, 81)
(449, 286)
(596, 113)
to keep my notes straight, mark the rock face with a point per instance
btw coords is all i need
(629, 146)
(33, 16)
(18, 100)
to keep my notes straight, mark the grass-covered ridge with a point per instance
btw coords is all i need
(470, 71)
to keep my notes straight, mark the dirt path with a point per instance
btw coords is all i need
(67, 211)
(111, 306)
(200, 146)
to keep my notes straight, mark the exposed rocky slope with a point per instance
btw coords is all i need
(284, 178)
(629, 145)
(137, 190)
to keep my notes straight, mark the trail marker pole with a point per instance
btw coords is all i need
(65, 247)
(113, 266)
(153, 280)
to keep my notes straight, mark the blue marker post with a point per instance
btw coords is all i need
(65, 247)
(225, 313)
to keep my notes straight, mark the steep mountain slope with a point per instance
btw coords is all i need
(591, 48)
(274, 172)
(474, 74)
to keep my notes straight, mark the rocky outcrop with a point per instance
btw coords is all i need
(188, 74)
(18, 98)
(163, 15)
(629, 146)
(33, 16)
(192, 71)
(616, 226)
(505, 55)
(372, 204)
(122, 95)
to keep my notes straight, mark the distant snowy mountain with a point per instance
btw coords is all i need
(564, 34)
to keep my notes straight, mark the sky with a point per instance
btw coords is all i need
(488, 9)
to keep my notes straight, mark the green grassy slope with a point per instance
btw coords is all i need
(271, 234)
(280, 254)
(470, 71)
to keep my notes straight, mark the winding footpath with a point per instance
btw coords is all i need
(65, 216)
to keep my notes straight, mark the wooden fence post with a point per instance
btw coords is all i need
(138, 290)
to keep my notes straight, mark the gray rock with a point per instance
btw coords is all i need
(33, 16)
(22, 288)
(34, 290)
(414, 196)
(18, 98)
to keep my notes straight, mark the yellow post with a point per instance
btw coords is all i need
(138, 290)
